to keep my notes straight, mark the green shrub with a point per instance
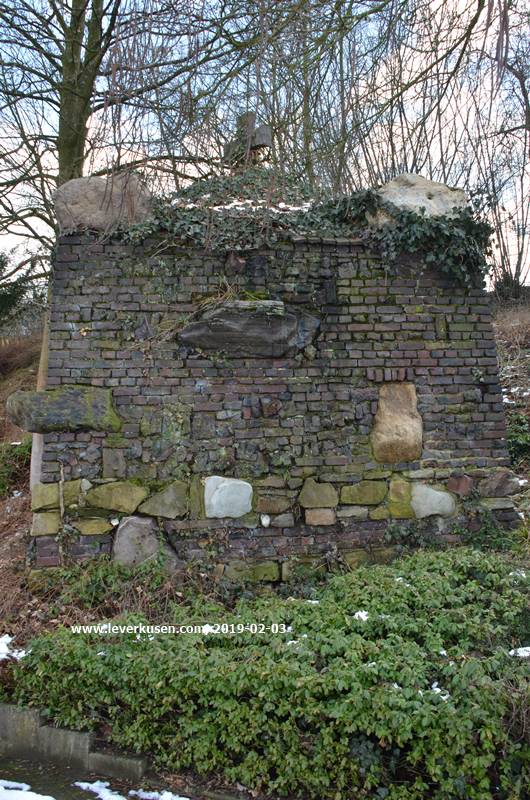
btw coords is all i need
(518, 436)
(421, 699)
(14, 465)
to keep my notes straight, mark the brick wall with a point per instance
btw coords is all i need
(114, 320)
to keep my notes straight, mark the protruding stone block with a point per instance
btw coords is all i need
(65, 408)
(45, 496)
(170, 503)
(253, 572)
(398, 429)
(256, 328)
(364, 493)
(121, 496)
(100, 204)
(429, 502)
(227, 497)
(318, 495)
(92, 526)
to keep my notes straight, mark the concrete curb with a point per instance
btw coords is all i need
(23, 734)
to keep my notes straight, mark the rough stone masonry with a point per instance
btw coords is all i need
(293, 418)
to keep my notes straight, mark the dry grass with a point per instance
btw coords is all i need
(512, 332)
(19, 363)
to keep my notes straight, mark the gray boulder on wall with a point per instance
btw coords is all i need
(414, 192)
(100, 204)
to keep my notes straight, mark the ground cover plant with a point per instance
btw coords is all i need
(389, 682)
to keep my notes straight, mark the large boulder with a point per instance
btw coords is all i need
(398, 428)
(122, 496)
(64, 408)
(101, 204)
(429, 502)
(137, 540)
(170, 503)
(254, 328)
(414, 193)
(226, 497)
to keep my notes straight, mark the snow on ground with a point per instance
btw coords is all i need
(103, 791)
(10, 790)
(521, 652)
(6, 652)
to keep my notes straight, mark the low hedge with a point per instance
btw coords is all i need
(394, 682)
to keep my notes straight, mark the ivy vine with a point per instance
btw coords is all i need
(260, 207)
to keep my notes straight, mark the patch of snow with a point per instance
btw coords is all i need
(293, 641)
(5, 650)
(518, 573)
(99, 788)
(11, 790)
(362, 615)
(521, 652)
(313, 602)
(522, 481)
(443, 652)
(24, 787)
(156, 795)
(438, 690)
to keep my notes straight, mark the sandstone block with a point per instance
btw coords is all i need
(398, 428)
(364, 493)
(320, 516)
(414, 193)
(100, 204)
(137, 540)
(318, 495)
(226, 497)
(499, 484)
(65, 408)
(399, 499)
(429, 502)
(46, 523)
(120, 496)
(171, 502)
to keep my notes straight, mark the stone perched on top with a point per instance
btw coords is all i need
(227, 497)
(258, 328)
(398, 428)
(364, 493)
(429, 502)
(499, 484)
(100, 204)
(170, 503)
(64, 408)
(414, 193)
(318, 495)
(122, 496)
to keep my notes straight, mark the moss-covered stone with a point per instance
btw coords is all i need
(318, 495)
(253, 572)
(196, 500)
(399, 499)
(365, 493)
(300, 565)
(170, 503)
(92, 526)
(122, 496)
(380, 512)
(272, 504)
(45, 496)
(64, 408)
(46, 523)
(42, 580)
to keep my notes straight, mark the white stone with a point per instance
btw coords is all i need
(428, 502)
(227, 497)
(100, 204)
(414, 192)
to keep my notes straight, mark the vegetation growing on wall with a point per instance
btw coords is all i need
(259, 207)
